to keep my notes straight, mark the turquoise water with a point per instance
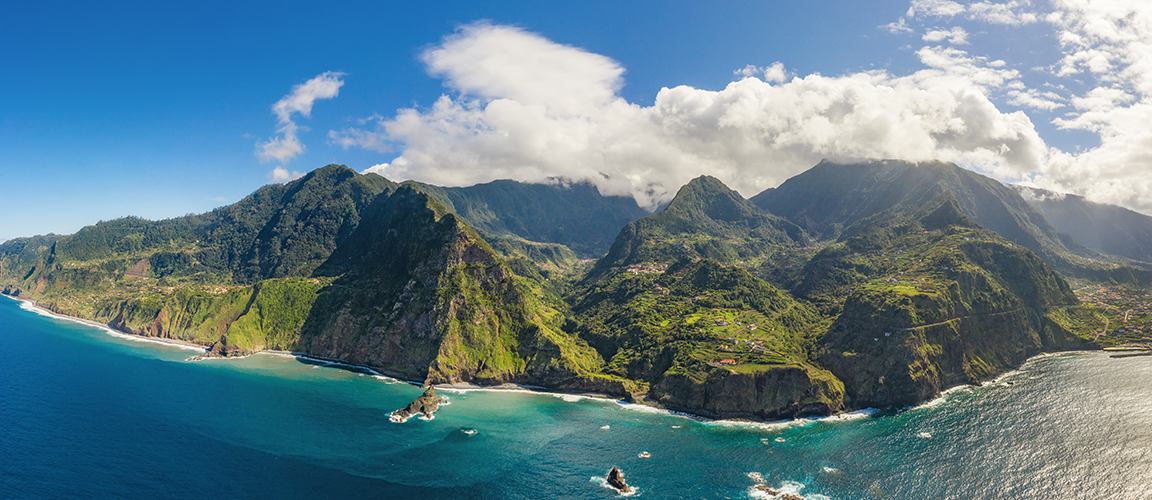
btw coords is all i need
(85, 414)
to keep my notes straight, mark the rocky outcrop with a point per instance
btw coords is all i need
(419, 294)
(426, 404)
(785, 391)
(616, 480)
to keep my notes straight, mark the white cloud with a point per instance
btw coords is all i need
(771, 74)
(934, 8)
(1106, 46)
(1032, 98)
(288, 146)
(753, 134)
(501, 62)
(1109, 44)
(955, 36)
(898, 27)
(282, 175)
(1002, 13)
(1011, 13)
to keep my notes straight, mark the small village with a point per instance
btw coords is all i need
(1126, 311)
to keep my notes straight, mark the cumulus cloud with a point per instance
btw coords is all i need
(281, 175)
(956, 36)
(287, 146)
(499, 62)
(1032, 98)
(897, 27)
(1108, 45)
(509, 117)
(1009, 13)
(771, 74)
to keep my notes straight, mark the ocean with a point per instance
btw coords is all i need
(88, 414)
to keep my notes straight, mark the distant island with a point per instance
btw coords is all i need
(871, 284)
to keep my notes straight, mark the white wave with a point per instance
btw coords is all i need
(603, 482)
(28, 306)
(756, 476)
(572, 398)
(943, 397)
(605, 427)
(847, 416)
(776, 426)
(780, 425)
(924, 435)
(787, 487)
(659, 411)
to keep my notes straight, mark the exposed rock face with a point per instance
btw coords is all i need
(421, 296)
(789, 391)
(616, 479)
(767, 489)
(426, 404)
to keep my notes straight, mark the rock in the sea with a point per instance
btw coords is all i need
(777, 493)
(767, 489)
(426, 404)
(616, 479)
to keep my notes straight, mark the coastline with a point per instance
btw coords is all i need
(645, 405)
(31, 306)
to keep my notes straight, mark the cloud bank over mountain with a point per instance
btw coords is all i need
(521, 106)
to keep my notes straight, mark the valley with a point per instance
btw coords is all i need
(878, 284)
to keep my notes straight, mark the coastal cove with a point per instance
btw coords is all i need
(102, 416)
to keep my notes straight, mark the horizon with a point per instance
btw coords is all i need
(1046, 94)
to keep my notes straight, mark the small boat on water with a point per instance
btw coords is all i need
(645, 454)
(605, 427)
(468, 431)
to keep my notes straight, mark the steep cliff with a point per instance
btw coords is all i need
(931, 301)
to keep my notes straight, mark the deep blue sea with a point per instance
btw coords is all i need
(86, 414)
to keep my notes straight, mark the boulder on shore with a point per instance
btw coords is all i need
(426, 404)
(616, 479)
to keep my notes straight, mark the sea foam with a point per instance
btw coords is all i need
(27, 306)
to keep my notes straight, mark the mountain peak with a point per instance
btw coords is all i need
(707, 196)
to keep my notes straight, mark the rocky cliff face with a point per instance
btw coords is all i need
(356, 268)
(421, 295)
(937, 304)
(785, 391)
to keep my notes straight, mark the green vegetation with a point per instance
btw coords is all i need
(708, 220)
(714, 305)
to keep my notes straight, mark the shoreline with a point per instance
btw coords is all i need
(34, 308)
(464, 387)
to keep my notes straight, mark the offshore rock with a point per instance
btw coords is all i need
(616, 479)
(426, 404)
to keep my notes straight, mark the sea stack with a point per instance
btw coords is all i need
(427, 404)
(616, 479)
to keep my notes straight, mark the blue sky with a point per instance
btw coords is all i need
(158, 110)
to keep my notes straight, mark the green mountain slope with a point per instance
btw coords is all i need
(709, 339)
(705, 219)
(574, 215)
(1107, 228)
(928, 300)
(914, 297)
(418, 293)
(829, 199)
